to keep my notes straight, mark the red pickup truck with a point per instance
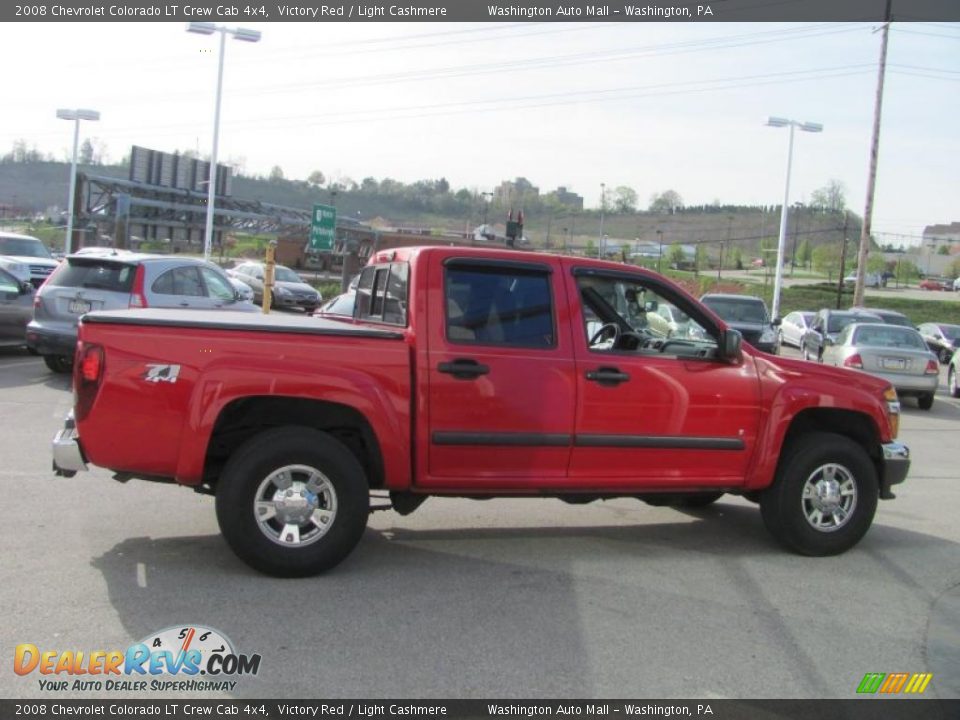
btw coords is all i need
(475, 373)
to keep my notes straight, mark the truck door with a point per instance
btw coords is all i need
(658, 408)
(500, 374)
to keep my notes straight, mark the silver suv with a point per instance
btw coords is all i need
(28, 251)
(113, 280)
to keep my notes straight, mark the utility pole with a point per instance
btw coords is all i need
(872, 175)
(843, 259)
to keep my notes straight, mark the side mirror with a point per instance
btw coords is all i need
(650, 306)
(731, 344)
(26, 288)
(777, 322)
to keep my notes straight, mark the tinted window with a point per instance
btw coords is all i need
(284, 274)
(499, 307)
(738, 310)
(93, 274)
(179, 281)
(381, 293)
(951, 331)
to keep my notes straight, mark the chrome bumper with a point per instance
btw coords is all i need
(67, 455)
(894, 468)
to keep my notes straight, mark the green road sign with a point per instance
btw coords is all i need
(323, 227)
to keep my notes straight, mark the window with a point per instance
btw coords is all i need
(628, 315)
(217, 287)
(498, 306)
(93, 274)
(382, 293)
(179, 281)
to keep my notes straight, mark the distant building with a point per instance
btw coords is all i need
(937, 236)
(513, 193)
(566, 198)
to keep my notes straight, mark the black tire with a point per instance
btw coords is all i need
(246, 477)
(32, 351)
(925, 401)
(59, 363)
(945, 355)
(699, 500)
(785, 511)
(953, 383)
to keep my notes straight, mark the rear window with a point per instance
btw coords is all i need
(737, 310)
(890, 337)
(94, 274)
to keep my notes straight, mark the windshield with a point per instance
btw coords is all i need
(28, 247)
(839, 321)
(743, 310)
(951, 332)
(286, 275)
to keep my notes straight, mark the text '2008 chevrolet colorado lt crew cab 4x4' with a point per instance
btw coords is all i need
(475, 373)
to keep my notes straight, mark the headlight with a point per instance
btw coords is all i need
(277, 290)
(768, 336)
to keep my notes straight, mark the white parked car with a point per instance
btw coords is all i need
(793, 327)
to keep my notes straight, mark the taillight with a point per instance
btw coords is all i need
(932, 368)
(137, 297)
(854, 361)
(88, 372)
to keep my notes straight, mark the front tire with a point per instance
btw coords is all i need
(292, 502)
(952, 382)
(824, 497)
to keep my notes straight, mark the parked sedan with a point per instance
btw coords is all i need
(827, 325)
(896, 354)
(793, 327)
(942, 339)
(289, 290)
(16, 309)
(110, 280)
(749, 316)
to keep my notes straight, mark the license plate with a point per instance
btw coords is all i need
(79, 307)
(893, 363)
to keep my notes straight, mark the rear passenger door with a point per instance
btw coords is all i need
(500, 375)
(180, 287)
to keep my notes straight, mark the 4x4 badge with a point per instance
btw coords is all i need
(157, 373)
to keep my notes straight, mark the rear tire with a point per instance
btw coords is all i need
(925, 401)
(952, 382)
(824, 497)
(292, 502)
(59, 363)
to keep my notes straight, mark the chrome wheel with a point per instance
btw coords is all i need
(829, 497)
(295, 505)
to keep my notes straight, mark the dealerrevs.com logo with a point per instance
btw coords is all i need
(181, 657)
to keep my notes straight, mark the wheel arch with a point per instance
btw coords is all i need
(243, 418)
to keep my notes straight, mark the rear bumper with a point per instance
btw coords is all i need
(68, 456)
(895, 464)
(911, 384)
(46, 341)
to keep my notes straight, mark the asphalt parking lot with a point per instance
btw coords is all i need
(505, 598)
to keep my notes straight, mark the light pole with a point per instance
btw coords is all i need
(75, 115)
(239, 34)
(486, 207)
(603, 206)
(778, 275)
(660, 243)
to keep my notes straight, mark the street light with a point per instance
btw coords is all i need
(778, 275)
(245, 35)
(486, 207)
(75, 115)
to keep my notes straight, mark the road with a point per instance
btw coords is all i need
(504, 598)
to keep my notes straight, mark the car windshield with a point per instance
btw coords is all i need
(951, 332)
(898, 320)
(286, 275)
(890, 337)
(738, 310)
(838, 322)
(27, 247)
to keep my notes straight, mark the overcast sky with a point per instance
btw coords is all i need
(651, 106)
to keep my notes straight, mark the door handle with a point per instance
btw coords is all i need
(607, 376)
(463, 368)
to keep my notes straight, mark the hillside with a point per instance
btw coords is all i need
(39, 186)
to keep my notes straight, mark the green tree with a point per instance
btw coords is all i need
(805, 253)
(676, 256)
(876, 263)
(826, 259)
(700, 260)
(736, 258)
(625, 199)
(276, 173)
(830, 198)
(943, 250)
(669, 201)
(906, 271)
(954, 269)
(316, 178)
(591, 248)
